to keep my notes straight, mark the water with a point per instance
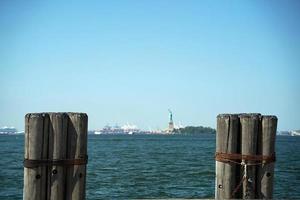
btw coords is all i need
(151, 166)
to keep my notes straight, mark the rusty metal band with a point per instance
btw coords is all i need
(234, 157)
(28, 163)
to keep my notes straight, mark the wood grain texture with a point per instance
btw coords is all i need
(249, 132)
(226, 142)
(266, 146)
(36, 147)
(57, 150)
(77, 148)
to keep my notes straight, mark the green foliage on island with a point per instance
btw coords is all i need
(194, 130)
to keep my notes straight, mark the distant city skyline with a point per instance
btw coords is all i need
(131, 61)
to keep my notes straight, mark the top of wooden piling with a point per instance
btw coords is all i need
(270, 117)
(47, 114)
(225, 115)
(44, 113)
(240, 115)
(249, 115)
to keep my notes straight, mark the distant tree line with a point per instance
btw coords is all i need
(193, 130)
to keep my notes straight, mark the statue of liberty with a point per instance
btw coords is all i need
(171, 124)
(171, 115)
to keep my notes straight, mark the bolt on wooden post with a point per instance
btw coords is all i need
(245, 155)
(55, 156)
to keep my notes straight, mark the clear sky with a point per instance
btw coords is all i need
(129, 61)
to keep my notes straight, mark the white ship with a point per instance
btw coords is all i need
(295, 133)
(8, 130)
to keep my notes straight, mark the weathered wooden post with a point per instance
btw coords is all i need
(249, 132)
(227, 142)
(245, 149)
(266, 147)
(58, 143)
(55, 156)
(36, 148)
(77, 148)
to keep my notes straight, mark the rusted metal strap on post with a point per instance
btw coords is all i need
(28, 163)
(237, 158)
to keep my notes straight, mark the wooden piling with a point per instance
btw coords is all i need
(249, 132)
(57, 150)
(245, 142)
(266, 147)
(227, 142)
(36, 148)
(77, 148)
(55, 153)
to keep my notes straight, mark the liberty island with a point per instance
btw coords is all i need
(172, 128)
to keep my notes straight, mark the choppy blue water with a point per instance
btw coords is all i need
(151, 166)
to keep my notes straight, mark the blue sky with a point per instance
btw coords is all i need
(129, 61)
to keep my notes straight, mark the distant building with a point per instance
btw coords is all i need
(283, 133)
(8, 130)
(289, 133)
(125, 129)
